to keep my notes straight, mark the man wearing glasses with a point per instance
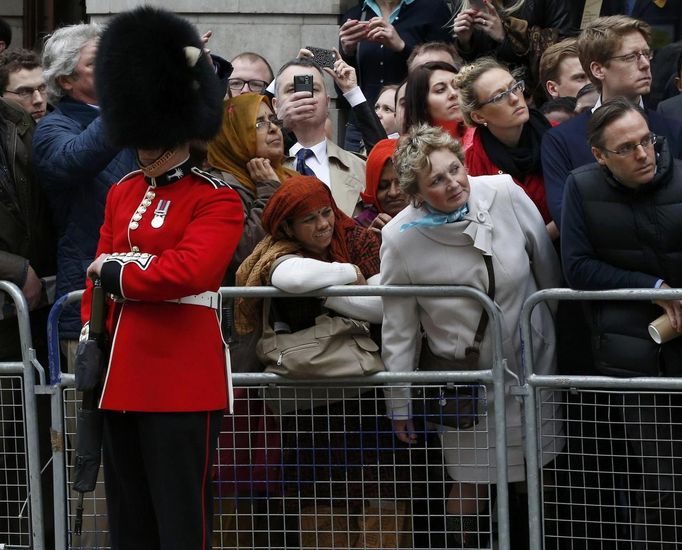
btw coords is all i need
(250, 73)
(621, 225)
(22, 81)
(616, 55)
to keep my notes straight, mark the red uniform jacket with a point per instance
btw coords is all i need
(478, 163)
(172, 239)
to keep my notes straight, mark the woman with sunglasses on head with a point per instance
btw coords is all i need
(507, 133)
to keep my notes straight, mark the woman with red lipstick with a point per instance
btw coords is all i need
(507, 133)
(432, 98)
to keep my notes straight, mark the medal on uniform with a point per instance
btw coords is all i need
(160, 213)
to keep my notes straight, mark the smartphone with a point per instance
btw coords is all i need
(324, 58)
(303, 83)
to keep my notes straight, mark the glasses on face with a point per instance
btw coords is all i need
(630, 148)
(26, 92)
(516, 88)
(634, 56)
(265, 125)
(237, 84)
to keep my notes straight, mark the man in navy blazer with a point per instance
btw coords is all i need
(615, 53)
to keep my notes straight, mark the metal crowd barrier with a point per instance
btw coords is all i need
(254, 507)
(21, 517)
(593, 498)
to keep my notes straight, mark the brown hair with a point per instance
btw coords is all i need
(13, 61)
(599, 41)
(552, 58)
(434, 47)
(607, 113)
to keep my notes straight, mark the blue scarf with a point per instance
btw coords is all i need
(435, 218)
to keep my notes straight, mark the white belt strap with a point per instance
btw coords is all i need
(207, 299)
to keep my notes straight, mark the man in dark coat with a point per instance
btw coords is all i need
(622, 227)
(74, 159)
(27, 245)
(27, 259)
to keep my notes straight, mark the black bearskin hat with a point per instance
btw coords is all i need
(156, 88)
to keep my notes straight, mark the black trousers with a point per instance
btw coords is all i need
(157, 473)
(652, 424)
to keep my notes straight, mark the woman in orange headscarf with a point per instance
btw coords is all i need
(310, 244)
(382, 198)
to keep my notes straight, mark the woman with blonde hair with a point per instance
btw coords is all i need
(507, 134)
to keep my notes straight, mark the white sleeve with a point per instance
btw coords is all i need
(364, 308)
(297, 275)
(354, 97)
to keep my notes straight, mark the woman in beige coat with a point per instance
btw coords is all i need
(440, 239)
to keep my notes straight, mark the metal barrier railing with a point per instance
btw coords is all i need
(495, 376)
(27, 368)
(532, 383)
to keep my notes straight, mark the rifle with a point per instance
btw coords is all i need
(90, 366)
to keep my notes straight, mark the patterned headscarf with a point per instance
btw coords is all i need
(235, 143)
(299, 196)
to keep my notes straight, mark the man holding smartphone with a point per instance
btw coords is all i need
(301, 99)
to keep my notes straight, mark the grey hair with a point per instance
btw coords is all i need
(61, 53)
(412, 155)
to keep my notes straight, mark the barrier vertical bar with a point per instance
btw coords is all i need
(30, 414)
(58, 468)
(530, 427)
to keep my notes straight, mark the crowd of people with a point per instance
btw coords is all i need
(509, 146)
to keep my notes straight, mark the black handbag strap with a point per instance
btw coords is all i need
(483, 323)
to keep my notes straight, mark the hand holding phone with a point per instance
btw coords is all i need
(324, 58)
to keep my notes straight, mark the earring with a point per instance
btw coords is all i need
(485, 124)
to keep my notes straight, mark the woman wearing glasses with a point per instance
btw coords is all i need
(247, 153)
(508, 134)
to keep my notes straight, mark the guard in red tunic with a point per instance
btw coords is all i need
(169, 233)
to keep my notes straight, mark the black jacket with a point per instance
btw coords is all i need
(617, 237)
(26, 234)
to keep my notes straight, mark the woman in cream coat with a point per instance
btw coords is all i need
(440, 239)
